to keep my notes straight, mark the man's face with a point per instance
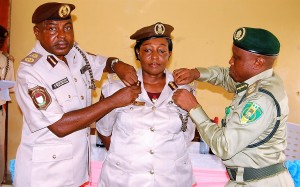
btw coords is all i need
(241, 64)
(56, 37)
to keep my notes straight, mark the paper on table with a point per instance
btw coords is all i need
(4, 92)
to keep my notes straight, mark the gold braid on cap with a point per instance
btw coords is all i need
(92, 86)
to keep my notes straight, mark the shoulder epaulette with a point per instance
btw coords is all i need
(193, 85)
(112, 78)
(253, 88)
(32, 58)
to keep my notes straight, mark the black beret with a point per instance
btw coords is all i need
(52, 11)
(256, 40)
(156, 30)
(3, 32)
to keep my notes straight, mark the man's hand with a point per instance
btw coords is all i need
(126, 73)
(125, 96)
(185, 76)
(185, 99)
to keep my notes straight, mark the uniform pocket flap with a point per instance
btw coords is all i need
(52, 152)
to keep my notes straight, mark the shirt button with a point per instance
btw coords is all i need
(75, 79)
(152, 129)
(118, 163)
(82, 98)
(151, 171)
(131, 108)
(69, 96)
(151, 152)
(54, 156)
(153, 108)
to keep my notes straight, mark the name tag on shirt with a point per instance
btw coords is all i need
(60, 83)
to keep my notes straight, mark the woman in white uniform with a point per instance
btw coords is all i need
(147, 141)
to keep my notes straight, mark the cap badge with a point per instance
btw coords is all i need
(239, 34)
(64, 11)
(159, 29)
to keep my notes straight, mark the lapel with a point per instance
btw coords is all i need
(166, 93)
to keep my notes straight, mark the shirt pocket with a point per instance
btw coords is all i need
(52, 165)
(131, 118)
(67, 98)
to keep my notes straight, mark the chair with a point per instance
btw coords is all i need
(292, 151)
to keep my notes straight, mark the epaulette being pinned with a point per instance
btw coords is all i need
(193, 85)
(32, 58)
(253, 88)
(112, 77)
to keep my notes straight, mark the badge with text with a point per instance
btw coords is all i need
(60, 83)
(40, 97)
(251, 112)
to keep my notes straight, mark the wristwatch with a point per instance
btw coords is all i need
(113, 62)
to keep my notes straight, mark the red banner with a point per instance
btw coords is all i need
(4, 17)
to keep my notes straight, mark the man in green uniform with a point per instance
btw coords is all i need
(252, 137)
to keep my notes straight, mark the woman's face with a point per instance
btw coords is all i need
(154, 55)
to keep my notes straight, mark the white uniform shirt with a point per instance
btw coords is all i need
(43, 159)
(147, 146)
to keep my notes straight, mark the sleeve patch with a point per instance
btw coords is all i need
(40, 97)
(250, 113)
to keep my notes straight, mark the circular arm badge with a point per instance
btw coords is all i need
(40, 97)
(251, 113)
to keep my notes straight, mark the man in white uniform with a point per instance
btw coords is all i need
(53, 90)
(6, 73)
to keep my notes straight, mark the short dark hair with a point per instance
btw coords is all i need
(140, 42)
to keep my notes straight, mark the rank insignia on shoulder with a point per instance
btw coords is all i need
(241, 87)
(172, 85)
(32, 58)
(253, 88)
(250, 113)
(40, 97)
(192, 84)
(112, 77)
